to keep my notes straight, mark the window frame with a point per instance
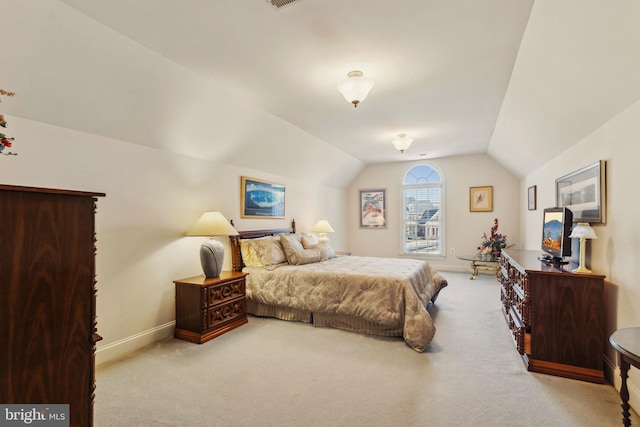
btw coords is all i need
(442, 232)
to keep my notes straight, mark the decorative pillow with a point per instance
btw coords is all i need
(249, 255)
(269, 251)
(326, 251)
(294, 251)
(308, 240)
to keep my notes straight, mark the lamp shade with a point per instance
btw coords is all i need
(212, 251)
(322, 226)
(355, 87)
(402, 142)
(212, 224)
(583, 229)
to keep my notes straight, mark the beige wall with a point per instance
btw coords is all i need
(615, 252)
(96, 111)
(152, 198)
(464, 229)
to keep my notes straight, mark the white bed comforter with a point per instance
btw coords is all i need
(387, 291)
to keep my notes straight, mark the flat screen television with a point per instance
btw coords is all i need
(556, 228)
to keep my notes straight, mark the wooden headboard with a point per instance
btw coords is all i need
(236, 254)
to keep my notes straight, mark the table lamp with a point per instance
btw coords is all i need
(323, 227)
(212, 251)
(582, 231)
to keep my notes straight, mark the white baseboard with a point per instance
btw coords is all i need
(115, 350)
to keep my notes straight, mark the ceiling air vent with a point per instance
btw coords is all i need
(280, 3)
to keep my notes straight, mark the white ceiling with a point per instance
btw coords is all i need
(516, 79)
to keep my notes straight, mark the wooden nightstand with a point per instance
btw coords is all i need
(208, 307)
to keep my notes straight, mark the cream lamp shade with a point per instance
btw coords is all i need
(355, 87)
(582, 231)
(212, 252)
(323, 227)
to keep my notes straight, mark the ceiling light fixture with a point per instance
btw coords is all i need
(355, 87)
(402, 142)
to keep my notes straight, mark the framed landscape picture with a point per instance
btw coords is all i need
(481, 199)
(373, 212)
(261, 199)
(583, 191)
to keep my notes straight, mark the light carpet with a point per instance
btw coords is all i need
(276, 373)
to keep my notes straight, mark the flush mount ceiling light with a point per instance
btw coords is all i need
(355, 87)
(402, 142)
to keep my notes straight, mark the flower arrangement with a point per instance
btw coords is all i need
(494, 243)
(5, 142)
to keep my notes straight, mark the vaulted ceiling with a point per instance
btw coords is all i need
(518, 79)
(441, 69)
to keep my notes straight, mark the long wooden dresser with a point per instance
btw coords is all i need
(48, 300)
(556, 317)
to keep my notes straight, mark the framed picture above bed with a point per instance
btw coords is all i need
(261, 199)
(373, 212)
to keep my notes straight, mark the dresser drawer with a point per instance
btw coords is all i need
(217, 316)
(217, 294)
(517, 330)
(521, 303)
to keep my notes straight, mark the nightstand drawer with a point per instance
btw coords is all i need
(217, 316)
(217, 294)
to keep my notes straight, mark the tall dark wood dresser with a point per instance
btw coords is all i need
(48, 299)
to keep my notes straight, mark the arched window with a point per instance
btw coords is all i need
(422, 208)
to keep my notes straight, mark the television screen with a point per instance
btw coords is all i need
(556, 227)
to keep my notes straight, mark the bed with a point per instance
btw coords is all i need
(307, 282)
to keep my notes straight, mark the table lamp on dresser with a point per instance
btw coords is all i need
(582, 231)
(212, 224)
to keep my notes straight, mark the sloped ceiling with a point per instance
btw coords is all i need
(517, 79)
(578, 66)
(441, 68)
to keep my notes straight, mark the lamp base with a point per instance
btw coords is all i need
(582, 269)
(212, 257)
(322, 238)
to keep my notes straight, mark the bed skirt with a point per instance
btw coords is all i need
(349, 323)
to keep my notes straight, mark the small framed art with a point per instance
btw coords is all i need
(261, 199)
(373, 212)
(481, 199)
(531, 198)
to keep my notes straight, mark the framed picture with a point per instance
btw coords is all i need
(261, 199)
(583, 191)
(531, 197)
(373, 212)
(481, 199)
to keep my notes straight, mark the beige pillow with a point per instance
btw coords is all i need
(326, 251)
(269, 251)
(294, 251)
(308, 240)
